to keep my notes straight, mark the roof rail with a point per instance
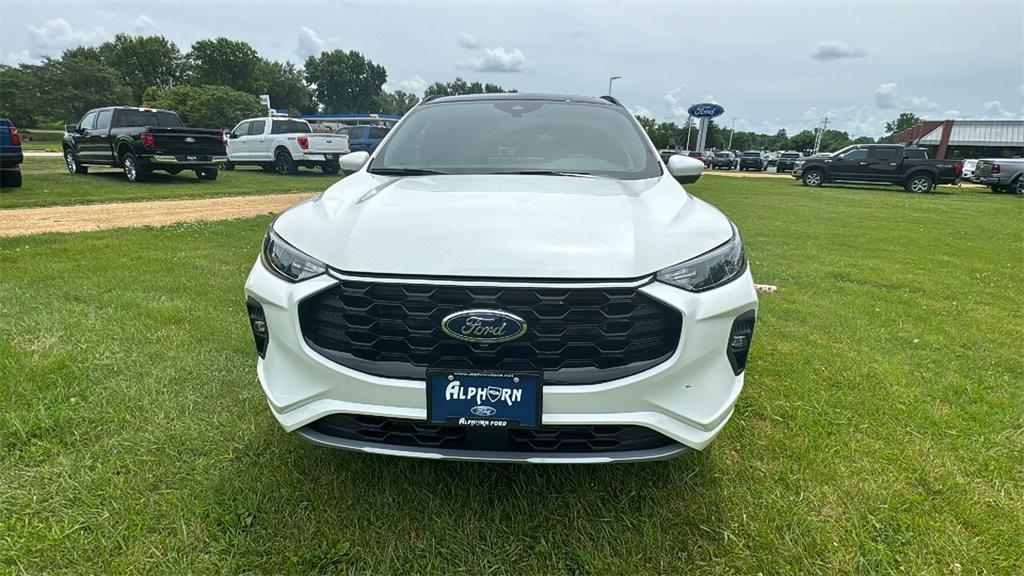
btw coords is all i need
(430, 98)
(610, 98)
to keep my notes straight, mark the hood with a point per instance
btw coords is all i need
(503, 226)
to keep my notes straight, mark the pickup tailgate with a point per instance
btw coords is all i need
(185, 141)
(327, 143)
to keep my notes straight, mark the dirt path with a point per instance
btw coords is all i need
(25, 221)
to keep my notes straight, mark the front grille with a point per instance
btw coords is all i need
(574, 335)
(564, 439)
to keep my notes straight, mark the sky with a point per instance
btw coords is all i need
(771, 65)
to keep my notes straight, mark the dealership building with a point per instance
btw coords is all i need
(966, 138)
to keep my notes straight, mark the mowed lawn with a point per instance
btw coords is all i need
(46, 182)
(881, 429)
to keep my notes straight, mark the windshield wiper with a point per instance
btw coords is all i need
(406, 172)
(550, 173)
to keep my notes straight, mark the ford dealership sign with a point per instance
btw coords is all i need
(705, 110)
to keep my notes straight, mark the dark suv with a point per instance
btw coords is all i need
(10, 155)
(723, 161)
(754, 160)
(141, 140)
(786, 161)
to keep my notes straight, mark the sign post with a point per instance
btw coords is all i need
(265, 100)
(705, 111)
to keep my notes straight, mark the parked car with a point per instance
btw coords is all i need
(283, 145)
(754, 160)
(879, 164)
(772, 157)
(523, 277)
(704, 157)
(10, 155)
(140, 141)
(667, 153)
(968, 170)
(724, 161)
(365, 138)
(786, 162)
(1001, 174)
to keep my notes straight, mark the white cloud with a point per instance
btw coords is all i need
(951, 114)
(836, 50)
(15, 58)
(310, 43)
(469, 41)
(414, 85)
(641, 111)
(994, 110)
(887, 96)
(496, 60)
(143, 23)
(674, 105)
(57, 35)
(1021, 91)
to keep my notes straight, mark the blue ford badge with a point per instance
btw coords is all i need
(482, 410)
(483, 326)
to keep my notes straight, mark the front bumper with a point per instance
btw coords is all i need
(688, 398)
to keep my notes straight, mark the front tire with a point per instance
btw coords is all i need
(133, 171)
(71, 161)
(10, 178)
(813, 178)
(284, 164)
(919, 184)
(206, 173)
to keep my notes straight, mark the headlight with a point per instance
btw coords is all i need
(286, 261)
(709, 270)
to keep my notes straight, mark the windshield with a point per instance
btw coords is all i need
(126, 118)
(510, 135)
(790, 154)
(751, 154)
(723, 155)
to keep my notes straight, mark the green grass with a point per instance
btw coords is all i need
(881, 430)
(46, 182)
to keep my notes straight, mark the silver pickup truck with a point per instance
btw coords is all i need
(1000, 174)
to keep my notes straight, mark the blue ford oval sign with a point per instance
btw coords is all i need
(483, 326)
(705, 110)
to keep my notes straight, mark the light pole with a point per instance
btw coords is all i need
(610, 79)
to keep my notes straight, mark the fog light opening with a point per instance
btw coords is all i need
(258, 323)
(739, 341)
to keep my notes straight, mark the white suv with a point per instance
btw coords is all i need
(509, 277)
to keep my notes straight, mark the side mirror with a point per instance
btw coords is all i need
(232, 135)
(71, 128)
(353, 161)
(684, 169)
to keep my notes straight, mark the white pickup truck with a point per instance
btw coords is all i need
(284, 144)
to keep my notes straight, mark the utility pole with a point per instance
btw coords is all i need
(689, 127)
(731, 132)
(610, 79)
(817, 137)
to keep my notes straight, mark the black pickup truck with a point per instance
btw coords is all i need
(141, 140)
(879, 164)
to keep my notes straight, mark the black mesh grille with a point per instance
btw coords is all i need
(566, 439)
(574, 335)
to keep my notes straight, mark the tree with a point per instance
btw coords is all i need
(67, 88)
(832, 140)
(17, 96)
(223, 62)
(206, 106)
(459, 86)
(649, 125)
(398, 102)
(143, 61)
(904, 121)
(287, 87)
(346, 82)
(802, 141)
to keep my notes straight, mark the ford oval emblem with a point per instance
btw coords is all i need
(483, 326)
(482, 410)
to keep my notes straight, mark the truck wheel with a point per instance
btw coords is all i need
(813, 178)
(1018, 188)
(10, 178)
(330, 168)
(206, 173)
(227, 166)
(284, 164)
(71, 160)
(919, 184)
(133, 171)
